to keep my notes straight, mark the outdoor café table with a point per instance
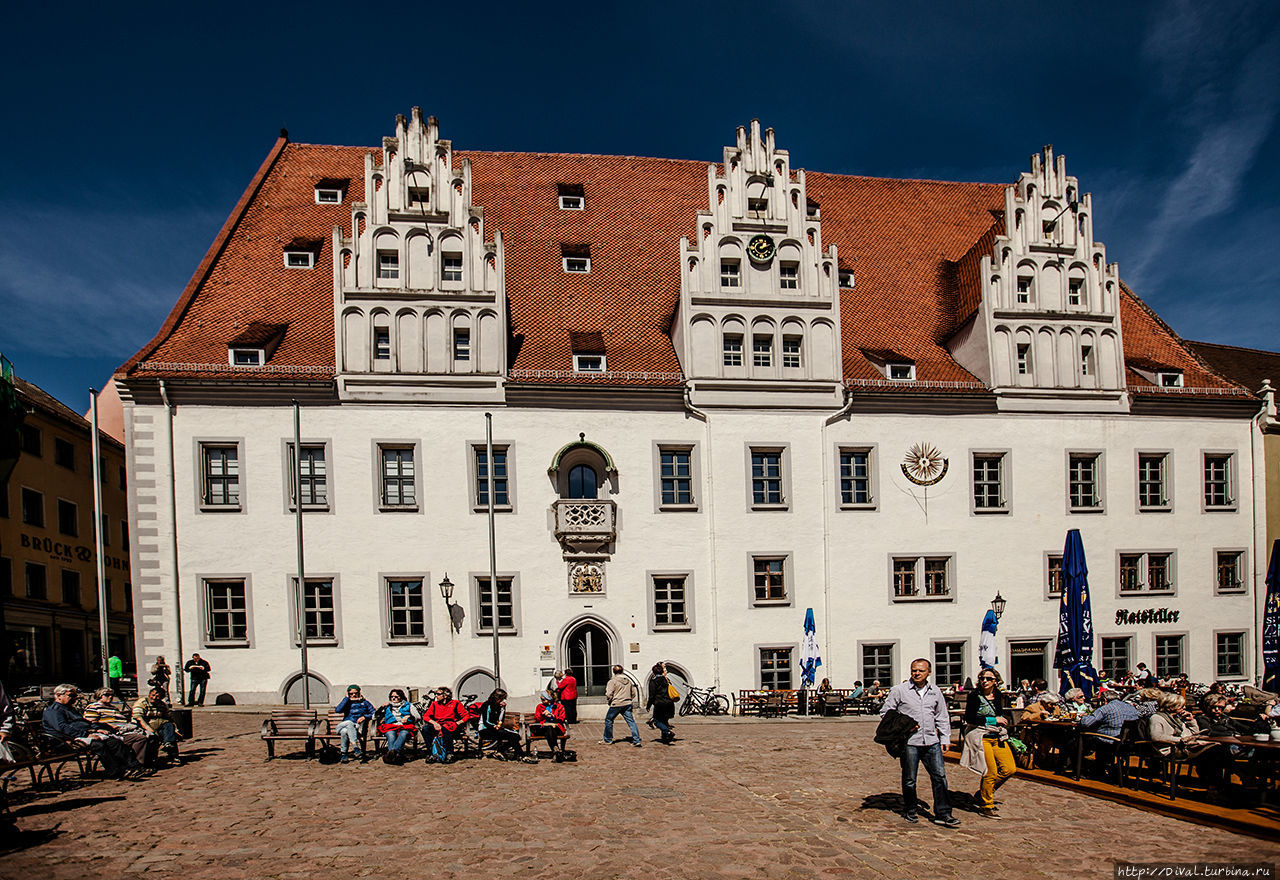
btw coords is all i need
(1265, 752)
(1061, 735)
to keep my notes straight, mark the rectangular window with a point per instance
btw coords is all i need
(106, 531)
(406, 609)
(877, 664)
(948, 663)
(1169, 656)
(315, 477)
(32, 508)
(1131, 573)
(1086, 360)
(451, 267)
(1115, 656)
(1024, 288)
(31, 440)
(462, 344)
(420, 196)
(71, 588)
(1083, 483)
(319, 611)
(766, 477)
(732, 351)
(789, 275)
(124, 535)
(506, 604)
(577, 264)
(68, 518)
(37, 585)
(855, 477)
(571, 203)
(1159, 572)
(1024, 359)
(382, 343)
(1054, 575)
(730, 274)
(676, 476)
(328, 196)
(220, 466)
(669, 609)
(1230, 565)
(1153, 483)
(501, 493)
(988, 482)
(1230, 655)
(775, 669)
(246, 357)
(770, 578)
(1170, 379)
(226, 611)
(588, 363)
(758, 209)
(762, 351)
(901, 372)
(910, 572)
(1075, 291)
(791, 352)
(1218, 489)
(6, 577)
(388, 264)
(301, 260)
(1146, 573)
(398, 483)
(64, 453)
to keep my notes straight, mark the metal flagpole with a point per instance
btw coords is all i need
(493, 557)
(103, 651)
(300, 594)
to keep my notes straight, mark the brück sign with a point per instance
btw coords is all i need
(1146, 615)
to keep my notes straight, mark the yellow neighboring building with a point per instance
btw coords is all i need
(48, 567)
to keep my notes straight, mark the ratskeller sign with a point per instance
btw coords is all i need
(1146, 615)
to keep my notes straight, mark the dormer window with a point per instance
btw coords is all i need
(1169, 378)
(588, 351)
(789, 276)
(901, 372)
(246, 357)
(588, 363)
(758, 209)
(571, 197)
(575, 258)
(730, 273)
(419, 197)
(330, 191)
(846, 279)
(299, 259)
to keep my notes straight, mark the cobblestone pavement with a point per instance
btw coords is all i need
(751, 799)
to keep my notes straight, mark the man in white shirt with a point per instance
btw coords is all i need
(920, 700)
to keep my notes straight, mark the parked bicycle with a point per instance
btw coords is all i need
(704, 701)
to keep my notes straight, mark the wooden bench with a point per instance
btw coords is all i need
(530, 738)
(328, 730)
(768, 704)
(469, 744)
(292, 725)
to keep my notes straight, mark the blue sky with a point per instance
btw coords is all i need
(131, 130)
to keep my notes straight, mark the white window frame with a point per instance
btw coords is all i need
(290, 470)
(1144, 573)
(207, 640)
(662, 448)
(477, 448)
(333, 640)
(1166, 480)
(259, 356)
(787, 574)
(762, 351)
(573, 203)
(481, 608)
(204, 475)
(920, 567)
(381, 476)
(652, 578)
(728, 352)
(730, 273)
(1244, 652)
(384, 579)
(462, 345)
(897, 371)
(788, 275)
(1242, 559)
(792, 351)
(1232, 482)
(308, 257)
(388, 266)
(783, 451)
(1004, 481)
(576, 265)
(448, 272)
(589, 363)
(1099, 481)
(1075, 292)
(322, 191)
(1169, 378)
(873, 494)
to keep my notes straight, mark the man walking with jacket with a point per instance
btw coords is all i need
(618, 694)
(920, 700)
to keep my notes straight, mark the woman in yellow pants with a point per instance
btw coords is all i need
(987, 711)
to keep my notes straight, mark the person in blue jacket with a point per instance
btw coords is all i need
(356, 713)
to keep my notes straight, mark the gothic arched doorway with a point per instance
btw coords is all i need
(589, 656)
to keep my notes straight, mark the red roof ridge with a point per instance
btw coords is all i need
(210, 258)
(1194, 342)
(1191, 352)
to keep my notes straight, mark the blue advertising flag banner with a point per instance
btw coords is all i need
(987, 656)
(1074, 660)
(810, 659)
(1271, 624)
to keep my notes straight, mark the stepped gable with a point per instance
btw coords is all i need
(913, 246)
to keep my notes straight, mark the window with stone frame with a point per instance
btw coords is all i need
(32, 508)
(855, 477)
(501, 490)
(775, 669)
(1084, 481)
(1054, 576)
(770, 578)
(1230, 571)
(315, 480)
(1146, 573)
(1169, 656)
(68, 518)
(988, 482)
(506, 604)
(1153, 488)
(1116, 654)
(877, 664)
(904, 578)
(220, 466)
(319, 607)
(676, 476)
(406, 609)
(766, 477)
(948, 663)
(226, 611)
(1230, 654)
(1219, 491)
(670, 610)
(399, 480)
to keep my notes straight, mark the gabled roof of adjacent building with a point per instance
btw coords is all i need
(913, 246)
(1248, 366)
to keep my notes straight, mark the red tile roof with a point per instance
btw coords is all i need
(913, 246)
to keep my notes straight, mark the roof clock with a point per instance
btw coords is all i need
(761, 248)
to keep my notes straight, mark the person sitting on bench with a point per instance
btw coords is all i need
(397, 721)
(103, 711)
(65, 724)
(152, 714)
(493, 714)
(441, 719)
(549, 722)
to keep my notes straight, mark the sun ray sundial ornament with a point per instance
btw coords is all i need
(925, 465)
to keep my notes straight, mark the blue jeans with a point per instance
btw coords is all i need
(196, 697)
(429, 736)
(396, 739)
(349, 735)
(628, 716)
(931, 757)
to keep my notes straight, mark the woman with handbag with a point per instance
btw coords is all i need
(397, 721)
(662, 702)
(986, 741)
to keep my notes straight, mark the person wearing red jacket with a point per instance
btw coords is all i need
(441, 720)
(567, 687)
(548, 722)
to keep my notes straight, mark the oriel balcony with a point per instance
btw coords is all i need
(585, 526)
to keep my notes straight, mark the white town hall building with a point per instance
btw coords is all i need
(722, 394)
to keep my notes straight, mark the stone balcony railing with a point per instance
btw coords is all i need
(585, 525)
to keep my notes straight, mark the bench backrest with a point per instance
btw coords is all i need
(292, 720)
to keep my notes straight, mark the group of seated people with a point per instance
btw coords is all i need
(441, 720)
(128, 742)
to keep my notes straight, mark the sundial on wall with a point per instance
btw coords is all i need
(924, 465)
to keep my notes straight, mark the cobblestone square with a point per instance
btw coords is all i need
(731, 799)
